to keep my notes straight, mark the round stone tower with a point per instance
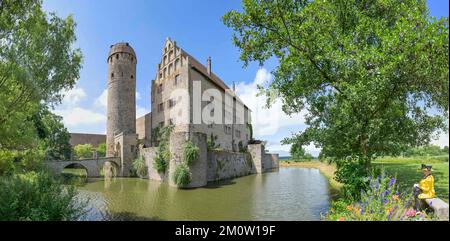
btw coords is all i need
(121, 106)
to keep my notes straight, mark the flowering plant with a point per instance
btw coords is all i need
(380, 202)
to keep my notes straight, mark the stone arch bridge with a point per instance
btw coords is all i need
(92, 166)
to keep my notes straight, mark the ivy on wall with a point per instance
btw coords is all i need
(182, 176)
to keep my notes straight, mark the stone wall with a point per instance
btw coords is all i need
(83, 138)
(225, 164)
(149, 155)
(270, 161)
(211, 165)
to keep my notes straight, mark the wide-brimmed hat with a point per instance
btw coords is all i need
(426, 167)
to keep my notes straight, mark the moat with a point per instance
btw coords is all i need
(291, 193)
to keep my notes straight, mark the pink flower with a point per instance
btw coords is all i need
(411, 212)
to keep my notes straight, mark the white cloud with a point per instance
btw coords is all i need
(80, 116)
(138, 96)
(73, 114)
(141, 111)
(265, 121)
(102, 100)
(441, 141)
(72, 97)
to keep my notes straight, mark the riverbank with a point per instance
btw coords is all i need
(326, 169)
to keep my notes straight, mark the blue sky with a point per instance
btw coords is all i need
(196, 26)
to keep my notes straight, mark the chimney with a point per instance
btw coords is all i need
(208, 65)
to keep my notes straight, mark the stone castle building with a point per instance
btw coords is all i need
(188, 96)
(183, 91)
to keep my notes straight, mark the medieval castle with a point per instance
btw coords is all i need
(196, 103)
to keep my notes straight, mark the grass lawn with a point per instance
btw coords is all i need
(407, 172)
(405, 169)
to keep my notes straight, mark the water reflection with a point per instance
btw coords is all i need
(289, 194)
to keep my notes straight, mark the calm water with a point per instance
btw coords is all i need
(290, 194)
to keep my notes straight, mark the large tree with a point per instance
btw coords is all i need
(372, 75)
(37, 62)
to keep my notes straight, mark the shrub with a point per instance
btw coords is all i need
(182, 176)
(101, 150)
(381, 202)
(6, 162)
(190, 152)
(83, 151)
(37, 196)
(140, 167)
(162, 157)
(353, 174)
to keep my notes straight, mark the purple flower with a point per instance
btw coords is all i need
(391, 182)
(431, 203)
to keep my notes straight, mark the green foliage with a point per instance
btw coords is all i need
(140, 167)
(298, 153)
(426, 150)
(162, 157)
(54, 139)
(37, 62)
(381, 202)
(182, 176)
(6, 162)
(242, 148)
(190, 153)
(211, 143)
(84, 150)
(37, 197)
(101, 150)
(353, 174)
(367, 77)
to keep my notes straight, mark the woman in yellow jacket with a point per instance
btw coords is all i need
(425, 188)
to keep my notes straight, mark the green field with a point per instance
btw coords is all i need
(406, 169)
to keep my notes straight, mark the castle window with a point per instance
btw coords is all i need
(227, 129)
(177, 63)
(177, 79)
(170, 55)
(132, 77)
(160, 75)
(238, 134)
(161, 124)
(172, 103)
(170, 69)
(160, 88)
(132, 59)
(117, 56)
(160, 107)
(112, 75)
(165, 60)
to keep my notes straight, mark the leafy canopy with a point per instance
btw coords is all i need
(372, 75)
(37, 62)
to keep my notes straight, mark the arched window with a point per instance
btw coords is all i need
(132, 76)
(112, 75)
(117, 56)
(165, 60)
(170, 55)
(170, 69)
(177, 64)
